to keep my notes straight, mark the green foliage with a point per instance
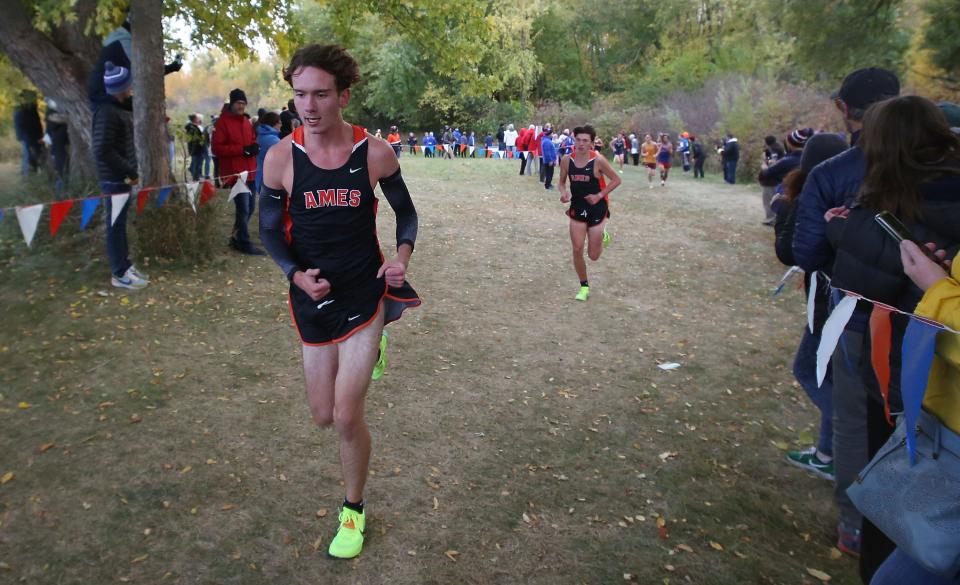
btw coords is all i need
(941, 36)
(175, 232)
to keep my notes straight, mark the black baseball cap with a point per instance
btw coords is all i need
(865, 87)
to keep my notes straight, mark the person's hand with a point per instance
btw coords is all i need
(834, 212)
(593, 199)
(564, 197)
(310, 282)
(923, 271)
(394, 272)
(251, 149)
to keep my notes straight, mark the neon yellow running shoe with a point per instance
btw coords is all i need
(381, 366)
(349, 539)
(607, 238)
(583, 294)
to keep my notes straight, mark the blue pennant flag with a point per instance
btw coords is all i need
(1, 215)
(89, 207)
(162, 196)
(919, 341)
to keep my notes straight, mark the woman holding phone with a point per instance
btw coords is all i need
(913, 172)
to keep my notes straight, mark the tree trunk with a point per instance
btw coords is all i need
(149, 109)
(58, 65)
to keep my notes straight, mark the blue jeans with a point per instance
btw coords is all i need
(805, 371)
(117, 246)
(244, 204)
(900, 569)
(206, 161)
(196, 164)
(730, 171)
(29, 157)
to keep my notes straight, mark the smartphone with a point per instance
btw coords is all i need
(899, 232)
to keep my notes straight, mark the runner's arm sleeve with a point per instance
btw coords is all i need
(272, 203)
(395, 190)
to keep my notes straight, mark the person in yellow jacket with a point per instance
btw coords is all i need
(941, 302)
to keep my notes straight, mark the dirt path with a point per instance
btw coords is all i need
(520, 436)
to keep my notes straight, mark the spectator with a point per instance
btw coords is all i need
(455, 143)
(699, 156)
(500, 138)
(235, 146)
(412, 143)
(566, 143)
(209, 130)
(195, 146)
(289, 119)
(429, 144)
(29, 131)
(772, 151)
(488, 142)
(447, 142)
(116, 158)
(510, 137)
(268, 134)
(912, 170)
(549, 158)
(832, 184)
(683, 147)
(635, 149)
(472, 144)
(772, 173)
(394, 140)
(522, 145)
(59, 135)
(731, 155)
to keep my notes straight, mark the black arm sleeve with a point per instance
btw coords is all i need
(272, 202)
(395, 190)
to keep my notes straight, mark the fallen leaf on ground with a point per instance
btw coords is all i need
(452, 555)
(139, 559)
(716, 545)
(818, 575)
(23, 405)
(321, 512)
(45, 447)
(7, 477)
(685, 548)
(835, 553)
(227, 507)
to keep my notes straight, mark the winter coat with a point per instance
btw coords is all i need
(549, 151)
(195, 139)
(113, 147)
(510, 138)
(523, 140)
(26, 124)
(267, 136)
(775, 173)
(231, 133)
(731, 150)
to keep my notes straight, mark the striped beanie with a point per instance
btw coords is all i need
(799, 137)
(116, 79)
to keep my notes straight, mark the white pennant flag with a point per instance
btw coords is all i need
(29, 217)
(830, 335)
(811, 299)
(116, 205)
(239, 187)
(472, 149)
(192, 189)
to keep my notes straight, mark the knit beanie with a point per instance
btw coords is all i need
(237, 95)
(819, 148)
(116, 79)
(799, 137)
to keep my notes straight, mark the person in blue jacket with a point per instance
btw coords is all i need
(549, 152)
(268, 134)
(830, 186)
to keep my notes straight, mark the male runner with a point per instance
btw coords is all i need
(589, 200)
(649, 151)
(664, 154)
(318, 221)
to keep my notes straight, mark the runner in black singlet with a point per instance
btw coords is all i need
(591, 181)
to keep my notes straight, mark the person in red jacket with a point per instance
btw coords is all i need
(235, 146)
(523, 146)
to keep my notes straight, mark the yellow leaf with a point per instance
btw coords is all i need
(186, 469)
(23, 405)
(321, 512)
(685, 548)
(661, 522)
(7, 477)
(227, 507)
(139, 559)
(835, 553)
(45, 447)
(780, 445)
(819, 575)
(316, 544)
(716, 545)
(452, 555)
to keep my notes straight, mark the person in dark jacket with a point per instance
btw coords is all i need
(195, 140)
(268, 135)
(550, 158)
(831, 184)
(235, 146)
(59, 142)
(912, 169)
(500, 143)
(699, 156)
(289, 119)
(772, 174)
(819, 458)
(29, 132)
(731, 156)
(117, 50)
(116, 158)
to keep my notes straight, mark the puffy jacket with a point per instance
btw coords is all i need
(775, 173)
(783, 230)
(113, 147)
(942, 303)
(267, 136)
(549, 151)
(731, 150)
(231, 133)
(510, 137)
(833, 183)
(26, 124)
(523, 140)
(868, 259)
(535, 145)
(195, 139)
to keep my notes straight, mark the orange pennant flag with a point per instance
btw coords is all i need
(207, 192)
(880, 353)
(58, 211)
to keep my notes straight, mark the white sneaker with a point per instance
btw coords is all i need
(130, 279)
(138, 274)
(663, 183)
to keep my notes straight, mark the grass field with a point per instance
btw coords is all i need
(162, 436)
